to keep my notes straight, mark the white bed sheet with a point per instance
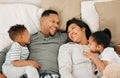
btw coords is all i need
(11, 14)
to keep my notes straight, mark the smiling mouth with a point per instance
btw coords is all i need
(74, 36)
(54, 28)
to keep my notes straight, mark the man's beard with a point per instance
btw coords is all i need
(51, 34)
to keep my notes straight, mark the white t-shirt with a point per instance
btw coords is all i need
(110, 55)
(72, 62)
(16, 52)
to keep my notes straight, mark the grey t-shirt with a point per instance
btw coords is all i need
(45, 50)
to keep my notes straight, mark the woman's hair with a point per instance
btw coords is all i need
(16, 30)
(81, 24)
(102, 37)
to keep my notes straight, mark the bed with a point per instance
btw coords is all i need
(96, 13)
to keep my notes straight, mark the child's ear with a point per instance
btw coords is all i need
(99, 47)
(21, 36)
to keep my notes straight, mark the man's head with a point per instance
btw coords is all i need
(49, 22)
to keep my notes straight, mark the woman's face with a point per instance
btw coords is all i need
(76, 33)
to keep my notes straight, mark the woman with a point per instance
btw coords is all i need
(72, 62)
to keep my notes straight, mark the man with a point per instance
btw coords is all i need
(45, 44)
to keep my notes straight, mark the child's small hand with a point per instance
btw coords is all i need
(34, 64)
(89, 54)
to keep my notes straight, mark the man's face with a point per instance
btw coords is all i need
(50, 24)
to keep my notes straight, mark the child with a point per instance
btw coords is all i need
(99, 42)
(16, 64)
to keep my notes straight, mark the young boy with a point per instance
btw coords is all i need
(99, 42)
(16, 64)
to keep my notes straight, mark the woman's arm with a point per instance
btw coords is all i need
(65, 62)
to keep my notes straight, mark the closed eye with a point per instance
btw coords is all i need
(73, 28)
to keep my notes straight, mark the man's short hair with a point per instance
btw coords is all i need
(48, 12)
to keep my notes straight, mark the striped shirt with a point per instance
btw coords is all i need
(16, 52)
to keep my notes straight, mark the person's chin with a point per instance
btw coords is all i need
(74, 40)
(53, 33)
(28, 43)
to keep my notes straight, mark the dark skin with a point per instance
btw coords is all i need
(2, 75)
(117, 49)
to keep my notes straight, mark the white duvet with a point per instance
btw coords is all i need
(11, 14)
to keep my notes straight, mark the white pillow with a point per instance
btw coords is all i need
(11, 14)
(89, 14)
(101, 0)
(4, 40)
(35, 2)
